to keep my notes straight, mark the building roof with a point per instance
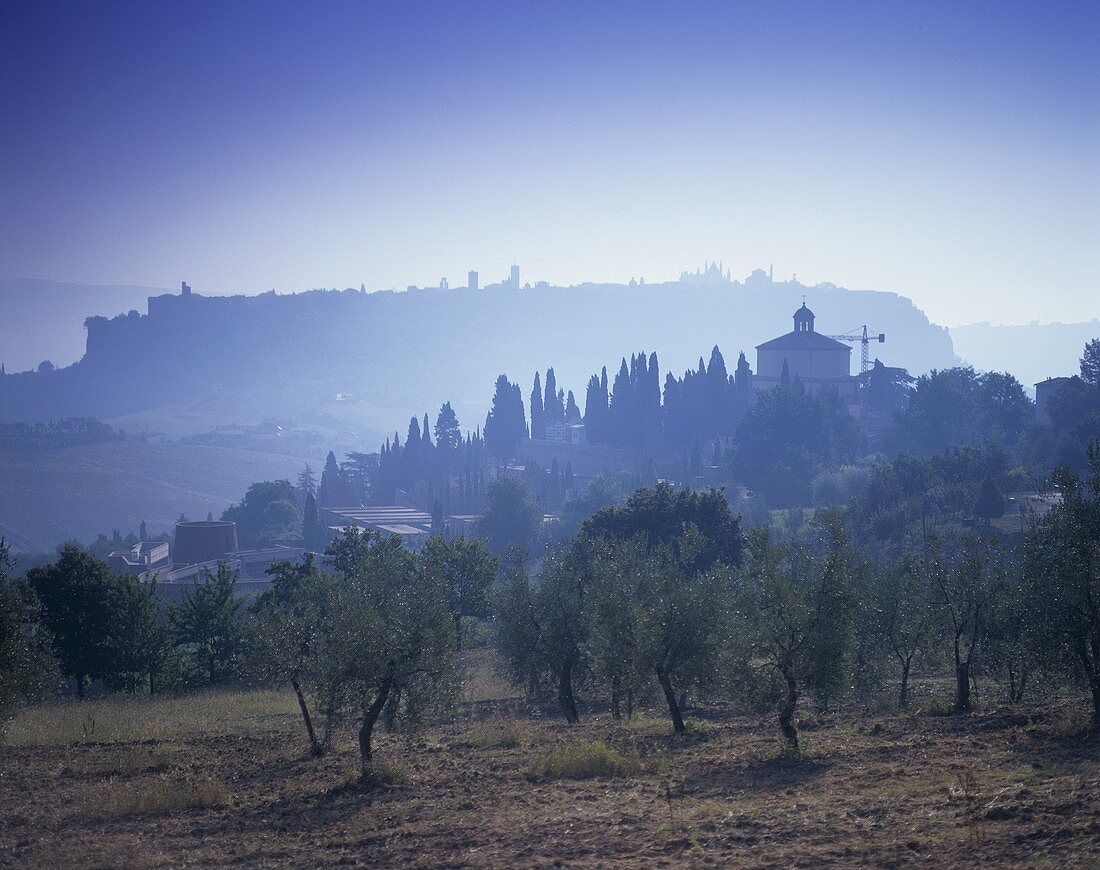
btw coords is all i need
(402, 529)
(1055, 381)
(805, 340)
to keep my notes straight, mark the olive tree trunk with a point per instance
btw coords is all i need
(673, 705)
(787, 710)
(370, 717)
(316, 748)
(565, 694)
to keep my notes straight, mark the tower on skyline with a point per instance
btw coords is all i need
(471, 280)
(513, 277)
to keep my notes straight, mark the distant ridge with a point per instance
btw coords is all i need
(386, 354)
(1032, 352)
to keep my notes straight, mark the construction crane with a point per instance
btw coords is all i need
(865, 340)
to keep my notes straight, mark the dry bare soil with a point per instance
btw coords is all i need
(224, 778)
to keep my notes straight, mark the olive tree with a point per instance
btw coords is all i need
(905, 615)
(391, 635)
(792, 618)
(655, 616)
(515, 626)
(615, 619)
(465, 570)
(1014, 647)
(966, 578)
(26, 661)
(1062, 565)
(294, 644)
(542, 626)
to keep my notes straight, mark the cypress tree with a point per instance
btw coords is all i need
(552, 403)
(313, 535)
(572, 412)
(619, 414)
(538, 417)
(506, 423)
(331, 489)
(448, 435)
(437, 518)
(592, 411)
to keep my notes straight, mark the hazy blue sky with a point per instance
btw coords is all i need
(948, 151)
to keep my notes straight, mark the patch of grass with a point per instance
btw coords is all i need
(498, 734)
(160, 795)
(659, 726)
(119, 719)
(583, 760)
(1065, 723)
(382, 774)
(935, 705)
(651, 726)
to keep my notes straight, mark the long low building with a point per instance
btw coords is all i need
(250, 566)
(412, 525)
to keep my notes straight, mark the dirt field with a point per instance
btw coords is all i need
(224, 778)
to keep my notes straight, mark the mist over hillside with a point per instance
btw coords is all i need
(1032, 352)
(360, 364)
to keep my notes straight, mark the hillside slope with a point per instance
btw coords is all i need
(77, 492)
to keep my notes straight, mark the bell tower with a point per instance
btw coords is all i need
(803, 319)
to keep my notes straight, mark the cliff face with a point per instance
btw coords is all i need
(41, 320)
(400, 353)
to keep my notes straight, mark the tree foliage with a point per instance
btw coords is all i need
(208, 625)
(793, 619)
(511, 515)
(102, 626)
(506, 424)
(464, 571)
(787, 437)
(26, 660)
(1062, 565)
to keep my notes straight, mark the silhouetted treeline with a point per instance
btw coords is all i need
(68, 432)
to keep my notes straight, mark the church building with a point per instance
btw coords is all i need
(819, 362)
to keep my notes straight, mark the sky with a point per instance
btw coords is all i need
(944, 151)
